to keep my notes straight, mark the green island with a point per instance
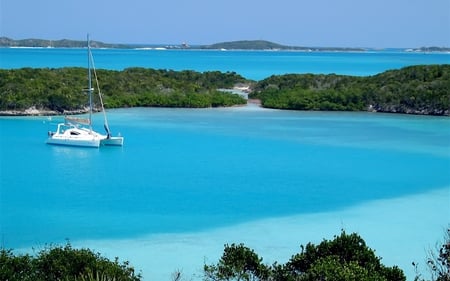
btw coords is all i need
(421, 89)
(267, 45)
(59, 91)
(346, 257)
(62, 43)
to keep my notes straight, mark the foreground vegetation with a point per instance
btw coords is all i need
(420, 89)
(65, 264)
(60, 90)
(344, 258)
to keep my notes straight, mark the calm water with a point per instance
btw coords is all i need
(187, 181)
(250, 64)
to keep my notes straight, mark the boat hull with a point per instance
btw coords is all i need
(74, 135)
(95, 143)
(112, 141)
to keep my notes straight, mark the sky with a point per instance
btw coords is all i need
(324, 23)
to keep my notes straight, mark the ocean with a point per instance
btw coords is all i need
(188, 181)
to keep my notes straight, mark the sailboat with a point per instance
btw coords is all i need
(76, 131)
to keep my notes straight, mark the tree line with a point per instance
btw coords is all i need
(61, 89)
(421, 89)
(346, 257)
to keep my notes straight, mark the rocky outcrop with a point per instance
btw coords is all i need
(33, 111)
(407, 110)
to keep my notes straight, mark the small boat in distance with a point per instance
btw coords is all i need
(76, 131)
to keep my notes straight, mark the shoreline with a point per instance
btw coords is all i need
(33, 111)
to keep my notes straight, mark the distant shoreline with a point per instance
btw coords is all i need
(250, 45)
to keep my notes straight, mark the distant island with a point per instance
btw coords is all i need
(429, 49)
(6, 42)
(267, 45)
(63, 43)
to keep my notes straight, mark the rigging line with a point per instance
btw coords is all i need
(99, 94)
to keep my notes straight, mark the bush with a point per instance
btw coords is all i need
(344, 258)
(63, 263)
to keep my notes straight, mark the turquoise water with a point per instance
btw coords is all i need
(189, 180)
(250, 64)
(191, 172)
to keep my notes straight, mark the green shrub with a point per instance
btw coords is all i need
(345, 258)
(63, 263)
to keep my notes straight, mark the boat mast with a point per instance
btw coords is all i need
(89, 81)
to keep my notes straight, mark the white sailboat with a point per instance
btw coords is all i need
(77, 131)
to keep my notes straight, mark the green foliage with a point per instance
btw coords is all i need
(57, 89)
(237, 263)
(63, 263)
(344, 258)
(15, 267)
(61, 89)
(419, 89)
(416, 89)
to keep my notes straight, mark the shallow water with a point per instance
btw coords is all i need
(400, 230)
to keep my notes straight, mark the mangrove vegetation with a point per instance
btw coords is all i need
(61, 90)
(422, 89)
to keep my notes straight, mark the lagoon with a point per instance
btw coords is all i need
(188, 181)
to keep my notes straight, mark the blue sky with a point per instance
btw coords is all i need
(340, 23)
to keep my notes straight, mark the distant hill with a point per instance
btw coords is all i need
(267, 45)
(245, 45)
